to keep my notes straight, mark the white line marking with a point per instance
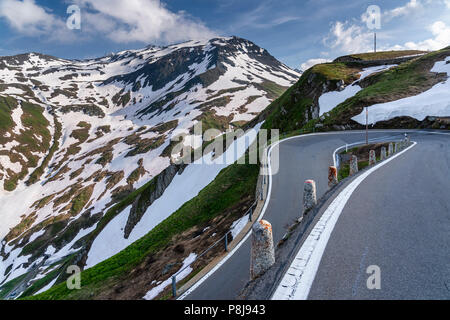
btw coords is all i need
(299, 278)
(335, 159)
(266, 204)
(225, 259)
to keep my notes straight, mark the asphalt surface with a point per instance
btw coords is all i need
(300, 159)
(399, 220)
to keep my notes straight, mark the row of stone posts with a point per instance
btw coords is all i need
(263, 249)
(384, 154)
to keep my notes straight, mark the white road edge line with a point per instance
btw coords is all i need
(266, 204)
(296, 283)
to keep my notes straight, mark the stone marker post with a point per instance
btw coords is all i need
(383, 155)
(309, 196)
(263, 250)
(372, 158)
(332, 177)
(353, 165)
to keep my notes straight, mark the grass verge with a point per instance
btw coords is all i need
(233, 183)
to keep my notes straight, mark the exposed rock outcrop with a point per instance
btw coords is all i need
(145, 199)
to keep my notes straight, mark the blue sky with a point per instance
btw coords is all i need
(299, 33)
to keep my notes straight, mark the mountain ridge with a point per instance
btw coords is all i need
(78, 137)
(304, 107)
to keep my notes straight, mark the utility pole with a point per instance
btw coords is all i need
(367, 125)
(375, 42)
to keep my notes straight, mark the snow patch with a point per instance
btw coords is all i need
(183, 188)
(433, 102)
(185, 271)
(330, 100)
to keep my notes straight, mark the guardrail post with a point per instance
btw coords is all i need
(383, 155)
(391, 149)
(174, 286)
(309, 196)
(372, 158)
(332, 177)
(263, 250)
(396, 147)
(353, 165)
(226, 242)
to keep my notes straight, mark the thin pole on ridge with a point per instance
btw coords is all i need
(367, 125)
(375, 42)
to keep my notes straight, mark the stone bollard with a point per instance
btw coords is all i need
(391, 149)
(372, 158)
(383, 155)
(309, 196)
(263, 250)
(332, 177)
(353, 165)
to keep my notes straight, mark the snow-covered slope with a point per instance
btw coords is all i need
(329, 100)
(433, 102)
(77, 137)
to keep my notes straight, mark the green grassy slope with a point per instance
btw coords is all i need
(408, 79)
(292, 111)
(289, 113)
(225, 191)
(385, 55)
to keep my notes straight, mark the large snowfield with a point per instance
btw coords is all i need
(183, 188)
(101, 82)
(434, 102)
(244, 102)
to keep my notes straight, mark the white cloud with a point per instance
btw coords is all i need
(441, 38)
(405, 10)
(312, 62)
(349, 38)
(141, 21)
(27, 17)
(121, 21)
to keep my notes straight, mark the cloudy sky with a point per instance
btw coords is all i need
(297, 32)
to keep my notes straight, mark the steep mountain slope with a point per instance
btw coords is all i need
(316, 102)
(332, 96)
(81, 141)
(104, 159)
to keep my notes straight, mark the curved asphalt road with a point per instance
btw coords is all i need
(301, 159)
(399, 220)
